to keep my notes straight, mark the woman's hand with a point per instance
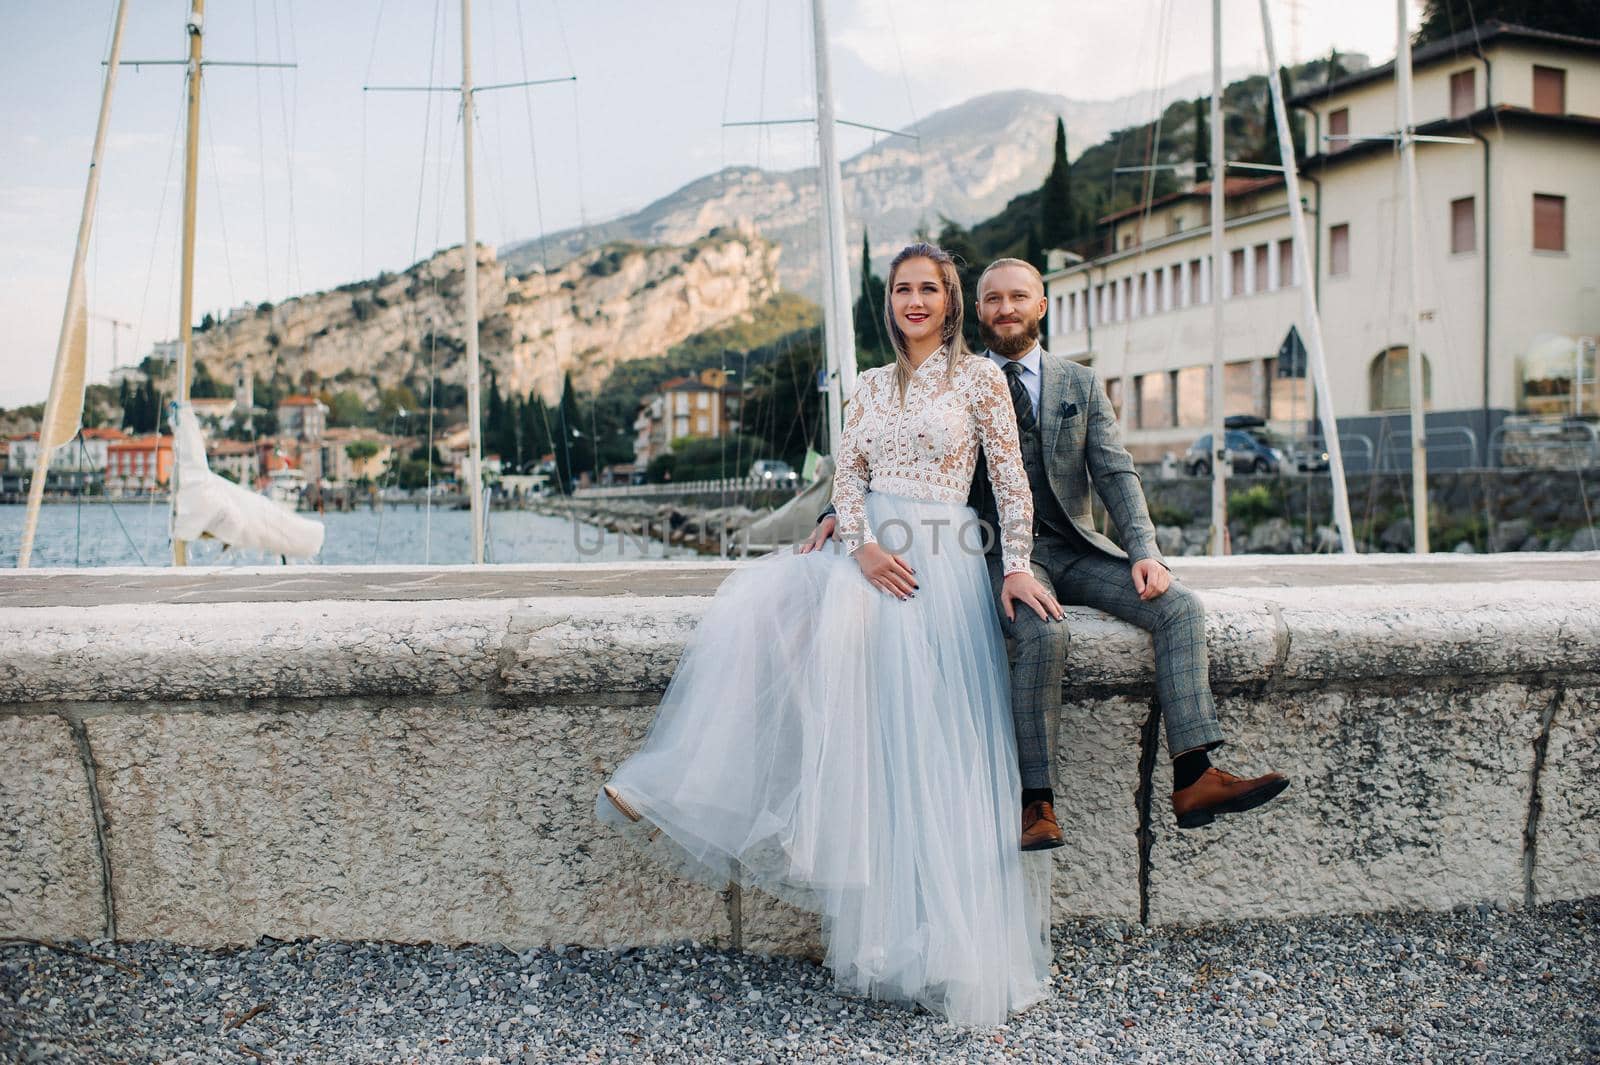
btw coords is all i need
(1024, 587)
(886, 572)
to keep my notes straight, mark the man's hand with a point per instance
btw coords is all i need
(819, 536)
(1150, 578)
(1023, 587)
(886, 572)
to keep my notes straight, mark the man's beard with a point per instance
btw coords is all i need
(1015, 345)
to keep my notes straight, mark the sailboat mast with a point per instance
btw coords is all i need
(838, 334)
(1408, 164)
(191, 166)
(65, 378)
(1219, 173)
(1305, 269)
(469, 248)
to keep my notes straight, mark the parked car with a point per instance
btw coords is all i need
(1312, 458)
(772, 473)
(1250, 450)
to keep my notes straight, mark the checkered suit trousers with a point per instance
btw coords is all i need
(1082, 576)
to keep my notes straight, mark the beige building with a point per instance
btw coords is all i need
(703, 406)
(1509, 268)
(337, 465)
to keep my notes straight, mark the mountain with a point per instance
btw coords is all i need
(611, 304)
(967, 163)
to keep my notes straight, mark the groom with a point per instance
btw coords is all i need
(1069, 436)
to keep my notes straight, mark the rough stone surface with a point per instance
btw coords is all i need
(398, 822)
(1097, 775)
(587, 645)
(1415, 803)
(1567, 855)
(49, 866)
(771, 926)
(1450, 630)
(248, 650)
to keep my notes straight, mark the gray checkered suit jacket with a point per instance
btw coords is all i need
(1083, 445)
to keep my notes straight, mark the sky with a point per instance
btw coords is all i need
(306, 181)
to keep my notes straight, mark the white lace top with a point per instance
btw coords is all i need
(928, 448)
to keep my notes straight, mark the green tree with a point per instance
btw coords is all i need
(395, 401)
(784, 409)
(1055, 203)
(347, 408)
(1202, 139)
(1443, 18)
(361, 450)
(573, 444)
(205, 386)
(872, 345)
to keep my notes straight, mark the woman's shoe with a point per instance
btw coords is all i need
(622, 804)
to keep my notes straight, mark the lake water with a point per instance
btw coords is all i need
(133, 534)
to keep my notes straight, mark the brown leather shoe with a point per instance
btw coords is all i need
(1039, 829)
(1217, 792)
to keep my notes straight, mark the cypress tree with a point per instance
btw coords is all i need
(868, 310)
(1055, 200)
(1202, 141)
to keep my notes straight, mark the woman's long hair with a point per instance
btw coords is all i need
(954, 340)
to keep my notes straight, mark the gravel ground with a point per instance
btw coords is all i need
(1478, 985)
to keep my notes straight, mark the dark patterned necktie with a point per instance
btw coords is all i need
(1026, 421)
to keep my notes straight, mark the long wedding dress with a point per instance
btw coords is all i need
(853, 753)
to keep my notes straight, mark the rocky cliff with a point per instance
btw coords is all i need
(966, 162)
(608, 305)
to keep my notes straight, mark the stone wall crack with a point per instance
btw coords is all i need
(735, 896)
(1530, 831)
(1282, 642)
(102, 846)
(1149, 745)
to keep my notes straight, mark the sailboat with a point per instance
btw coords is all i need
(204, 505)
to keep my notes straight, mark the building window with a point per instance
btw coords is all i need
(1236, 272)
(1197, 292)
(1154, 392)
(1550, 90)
(682, 403)
(1339, 250)
(1549, 222)
(1339, 129)
(702, 400)
(1285, 264)
(1263, 252)
(1463, 93)
(1194, 396)
(1389, 381)
(1463, 228)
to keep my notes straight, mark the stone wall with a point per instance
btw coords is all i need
(404, 769)
(1473, 511)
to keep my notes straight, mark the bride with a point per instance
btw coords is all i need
(838, 731)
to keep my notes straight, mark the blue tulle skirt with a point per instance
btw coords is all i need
(854, 754)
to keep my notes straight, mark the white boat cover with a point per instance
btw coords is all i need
(212, 505)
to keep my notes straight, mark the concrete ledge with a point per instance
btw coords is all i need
(423, 768)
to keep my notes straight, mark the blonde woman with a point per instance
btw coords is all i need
(838, 731)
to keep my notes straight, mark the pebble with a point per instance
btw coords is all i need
(1485, 983)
